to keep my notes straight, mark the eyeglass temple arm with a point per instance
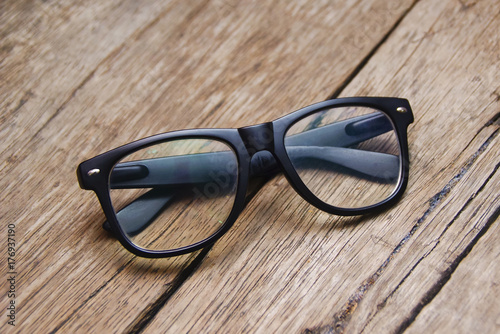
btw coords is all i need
(143, 210)
(343, 133)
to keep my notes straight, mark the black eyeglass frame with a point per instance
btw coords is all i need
(94, 174)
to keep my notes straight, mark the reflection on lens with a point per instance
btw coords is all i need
(174, 194)
(348, 157)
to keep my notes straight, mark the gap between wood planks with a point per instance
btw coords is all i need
(153, 308)
(135, 36)
(92, 295)
(446, 275)
(149, 313)
(365, 60)
(341, 318)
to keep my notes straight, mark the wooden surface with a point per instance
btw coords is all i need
(78, 79)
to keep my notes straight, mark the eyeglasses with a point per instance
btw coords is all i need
(180, 191)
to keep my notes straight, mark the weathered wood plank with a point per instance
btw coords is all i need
(51, 51)
(442, 237)
(184, 65)
(48, 266)
(453, 93)
(48, 51)
(286, 267)
(469, 302)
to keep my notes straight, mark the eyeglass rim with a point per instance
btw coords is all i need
(104, 163)
(400, 121)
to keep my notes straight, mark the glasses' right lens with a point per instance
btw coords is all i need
(348, 157)
(174, 194)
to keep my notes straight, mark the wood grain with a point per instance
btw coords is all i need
(468, 302)
(144, 71)
(80, 79)
(297, 259)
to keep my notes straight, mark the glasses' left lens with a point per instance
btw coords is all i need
(175, 193)
(348, 157)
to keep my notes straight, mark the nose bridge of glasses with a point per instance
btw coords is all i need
(259, 143)
(258, 137)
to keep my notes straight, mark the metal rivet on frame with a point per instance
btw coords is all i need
(401, 109)
(93, 171)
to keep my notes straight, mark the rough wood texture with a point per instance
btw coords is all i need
(80, 79)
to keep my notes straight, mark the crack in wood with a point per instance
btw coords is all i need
(367, 58)
(321, 330)
(495, 119)
(341, 319)
(92, 295)
(437, 241)
(446, 275)
(134, 36)
(148, 314)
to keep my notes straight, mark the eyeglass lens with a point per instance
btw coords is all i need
(175, 193)
(348, 157)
